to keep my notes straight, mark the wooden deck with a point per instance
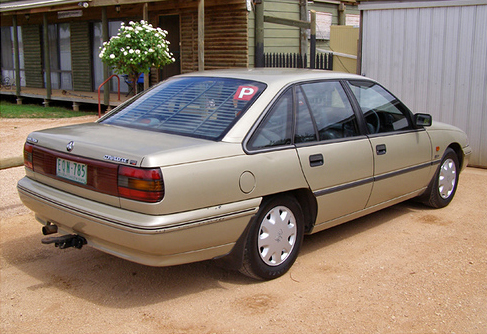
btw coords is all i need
(75, 97)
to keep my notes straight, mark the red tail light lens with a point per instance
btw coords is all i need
(28, 156)
(140, 184)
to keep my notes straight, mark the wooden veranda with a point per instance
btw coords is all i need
(75, 97)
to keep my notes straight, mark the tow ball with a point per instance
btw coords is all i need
(66, 241)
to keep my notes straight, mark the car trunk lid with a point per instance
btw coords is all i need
(85, 159)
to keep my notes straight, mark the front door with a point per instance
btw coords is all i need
(402, 154)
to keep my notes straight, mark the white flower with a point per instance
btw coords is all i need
(112, 56)
(131, 51)
(137, 51)
(125, 53)
(151, 50)
(128, 35)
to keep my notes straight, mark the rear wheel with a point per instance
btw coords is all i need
(445, 182)
(274, 239)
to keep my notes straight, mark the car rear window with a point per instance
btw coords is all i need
(203, 107)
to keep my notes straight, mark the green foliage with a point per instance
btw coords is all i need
(11, 110)
(136, 48)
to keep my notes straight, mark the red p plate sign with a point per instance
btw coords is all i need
(245, 93)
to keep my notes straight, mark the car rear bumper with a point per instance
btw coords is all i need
(151, 240)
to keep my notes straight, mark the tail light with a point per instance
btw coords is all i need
(140, 184)
(28, 156)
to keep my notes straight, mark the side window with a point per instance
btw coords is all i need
(382, 111)
(330, 111)
(276, 129)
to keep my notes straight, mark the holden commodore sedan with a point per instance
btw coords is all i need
(236, 165)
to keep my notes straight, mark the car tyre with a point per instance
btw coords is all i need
(445, 182)
(274, 239)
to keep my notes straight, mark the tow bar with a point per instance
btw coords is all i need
(66, 241)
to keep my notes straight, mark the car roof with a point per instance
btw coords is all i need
(276, 75)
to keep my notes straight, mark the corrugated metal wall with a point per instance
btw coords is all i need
(435, 60)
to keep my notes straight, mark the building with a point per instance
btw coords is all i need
(62, 37)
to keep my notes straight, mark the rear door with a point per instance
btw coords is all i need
(402, 154)
(336, 159)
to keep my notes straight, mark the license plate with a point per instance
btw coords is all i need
(70, 170)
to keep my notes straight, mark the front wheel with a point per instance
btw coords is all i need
(445, 181)
(274, 239)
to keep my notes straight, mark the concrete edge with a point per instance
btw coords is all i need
(11, 162)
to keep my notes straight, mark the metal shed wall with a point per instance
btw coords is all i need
(433, 56)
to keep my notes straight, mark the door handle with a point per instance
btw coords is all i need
(381, 149)
(316, 160)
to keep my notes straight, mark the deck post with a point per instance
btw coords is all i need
(312, 51)
(106, 74)
(47, 60)
(303, 14)
(145, 16)
(201, 35)
(259, 60)
(16, 58)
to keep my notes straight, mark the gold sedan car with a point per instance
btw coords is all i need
(236, 165)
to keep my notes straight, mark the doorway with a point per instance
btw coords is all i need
(170, 23)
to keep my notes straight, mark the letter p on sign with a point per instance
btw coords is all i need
(245, 93)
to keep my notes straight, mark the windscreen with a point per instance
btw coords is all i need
(203, 107)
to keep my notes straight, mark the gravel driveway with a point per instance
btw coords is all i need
(405, 269)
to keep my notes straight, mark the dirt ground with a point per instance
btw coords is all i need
(406, 269)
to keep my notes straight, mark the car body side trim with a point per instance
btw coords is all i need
(341, 187)
(358, 183)
(405, 170)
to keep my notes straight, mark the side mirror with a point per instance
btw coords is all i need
(421, 120)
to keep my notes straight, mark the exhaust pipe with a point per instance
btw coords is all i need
(49, 229)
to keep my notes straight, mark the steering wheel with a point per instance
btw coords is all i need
(373, 121)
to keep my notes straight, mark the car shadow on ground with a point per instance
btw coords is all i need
(106, 280)
(328, 237)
